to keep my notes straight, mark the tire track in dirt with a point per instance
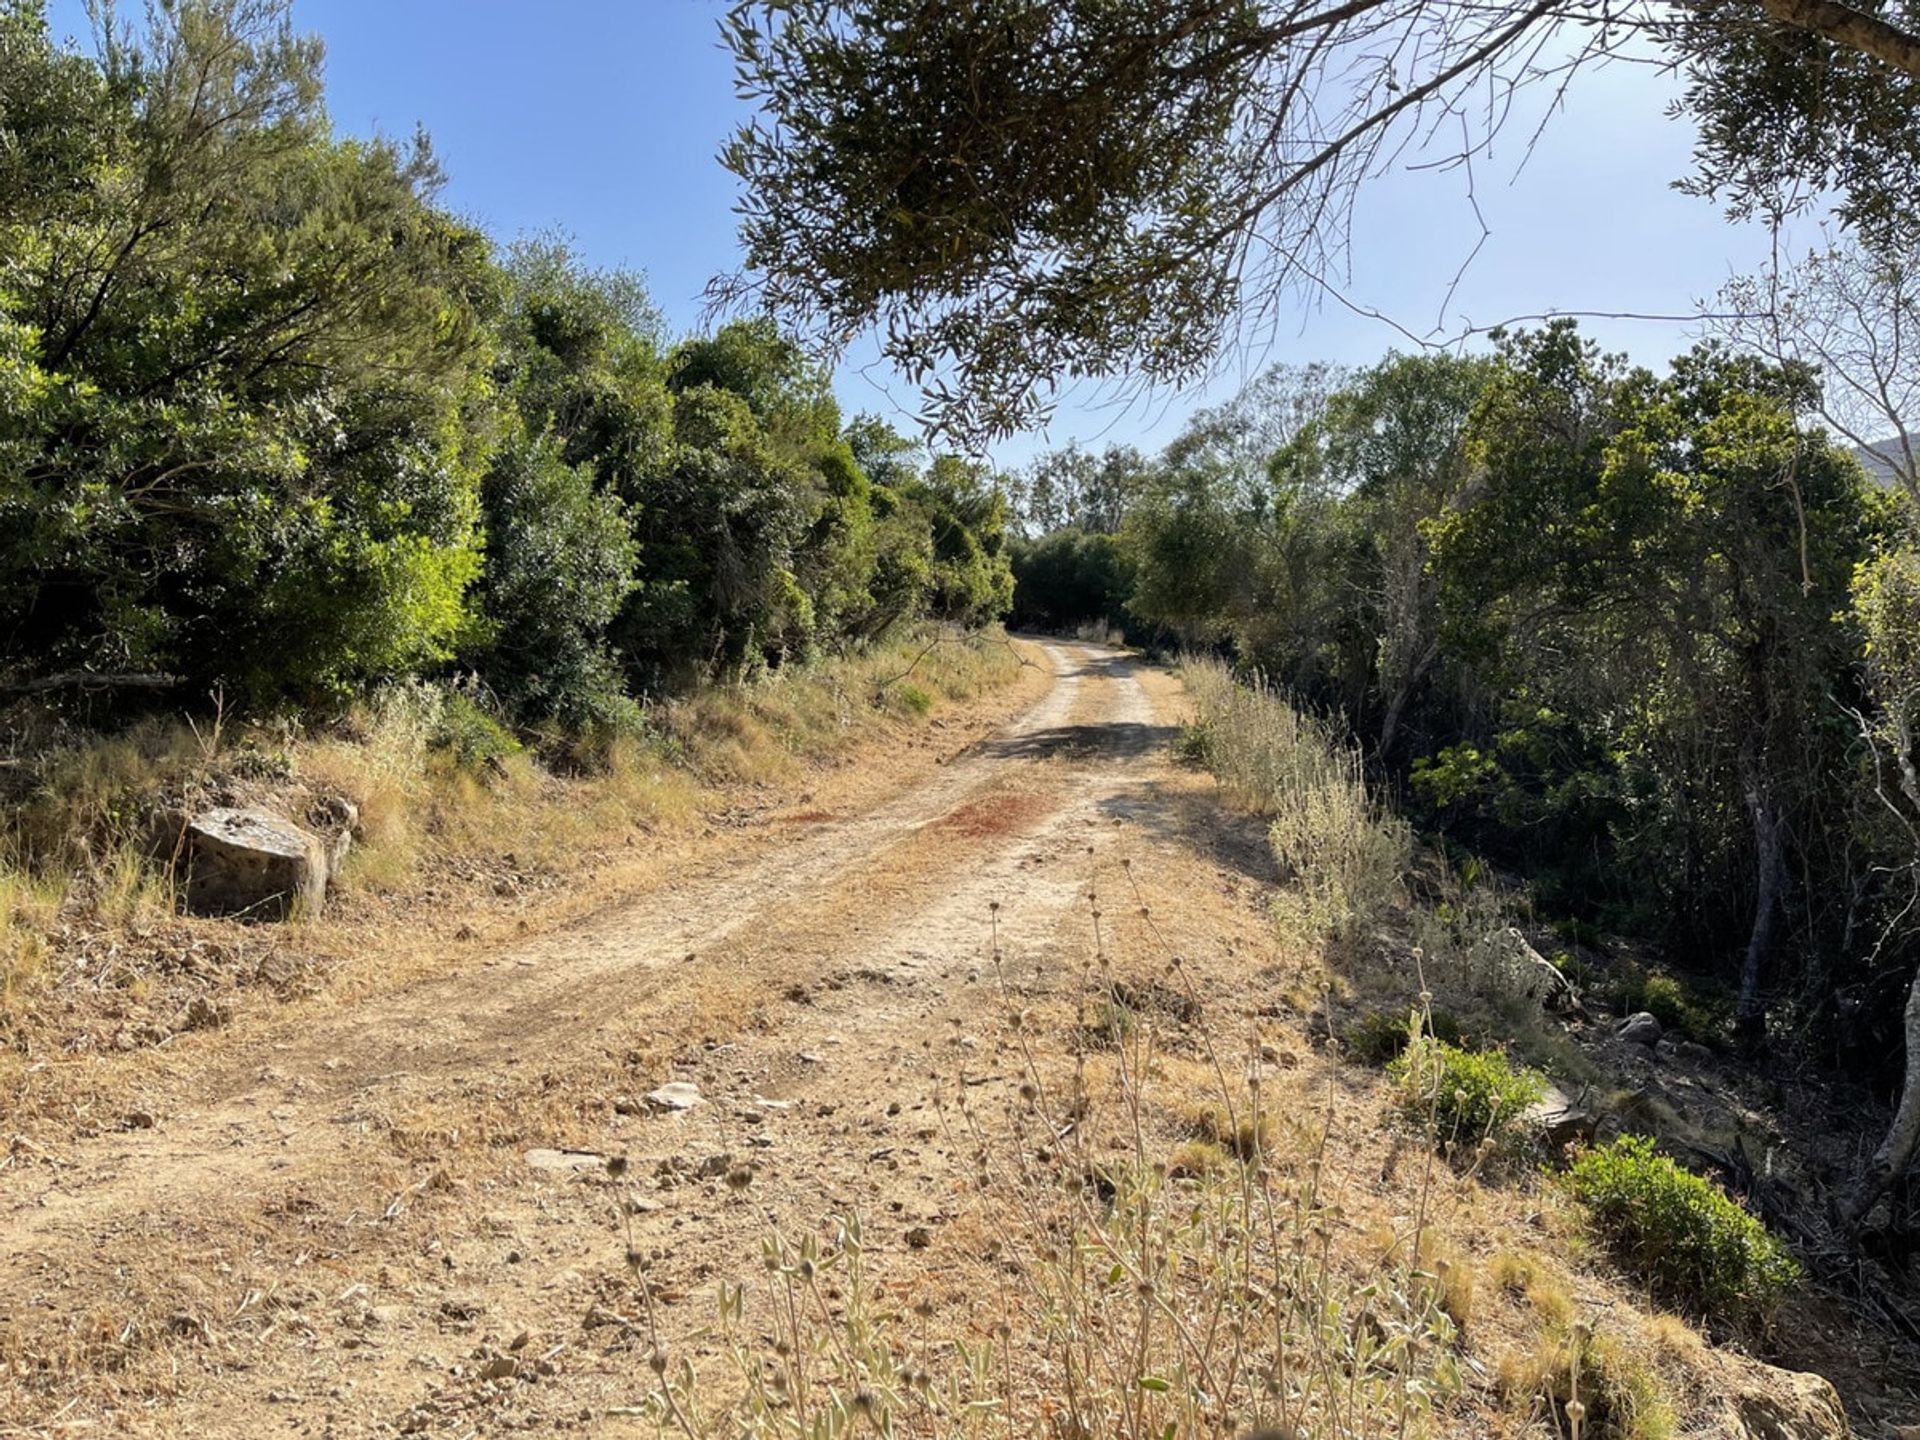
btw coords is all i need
(935, 856)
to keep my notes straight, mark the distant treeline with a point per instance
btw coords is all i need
(1651, 641)
(273, 420)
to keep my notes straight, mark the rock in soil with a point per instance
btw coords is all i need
(253, 862)
(675, 1096)
(1773, 1404)
(1640, 1029)
(1558, 1121)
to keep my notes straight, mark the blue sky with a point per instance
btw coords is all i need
(601, 118)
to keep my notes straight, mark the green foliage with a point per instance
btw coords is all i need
(1615, 631)
(473, 738)
(240, 451)
(1464, 1096)
(1074, 489)
(1010, 193)
(1674, 1005)
(1067, 579)
(1380, 1037)
(1661, 617)
(1785, 114)
(560, 560)
(913, 698)
(972, 579)
(271, 421)
(1696, 1248)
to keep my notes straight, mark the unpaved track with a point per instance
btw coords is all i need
(899, 895)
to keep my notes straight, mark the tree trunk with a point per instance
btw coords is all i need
(1402, 693)
(1896, 1152)
(1903, 1136)
(1770, 868)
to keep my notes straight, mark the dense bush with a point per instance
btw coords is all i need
(1697, 1249)
(1068, 579)
(1564, 612)
(273, 421)
(237, 450)
(1464, 1096)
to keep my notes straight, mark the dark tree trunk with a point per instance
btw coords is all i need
(1402, 693)
(1770, 874)
(1902, 1140)
(1896, 1151)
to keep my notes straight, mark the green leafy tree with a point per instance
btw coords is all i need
(1666, 557)
(1070, 578)
(560, 559)
(972, 578)
(1075, 489)
(248, 365)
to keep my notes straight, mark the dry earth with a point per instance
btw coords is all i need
(388, 1209)
(311, 1229)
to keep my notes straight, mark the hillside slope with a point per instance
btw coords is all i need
(997, 1094)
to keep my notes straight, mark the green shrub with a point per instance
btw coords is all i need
(1194, 746)
(1697, 1249)
(1464, 1095)
(913, 698)
(1382, 1036)
(1674, 1006)
(470, 735)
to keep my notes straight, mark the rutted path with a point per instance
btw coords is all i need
(898, 895)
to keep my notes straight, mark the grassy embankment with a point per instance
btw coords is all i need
(456, 817)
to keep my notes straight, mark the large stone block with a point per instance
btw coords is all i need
(255, 863)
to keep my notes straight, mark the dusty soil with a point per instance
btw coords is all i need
(307, 1223)
(396, 1207)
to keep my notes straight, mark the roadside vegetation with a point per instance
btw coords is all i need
(1631, 648)
(310, 492)
(461, 822)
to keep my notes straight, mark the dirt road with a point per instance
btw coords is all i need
(324, 1231)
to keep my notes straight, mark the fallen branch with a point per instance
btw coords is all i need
(880, 687)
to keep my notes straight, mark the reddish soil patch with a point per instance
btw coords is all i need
(807, 817)
(994, 815)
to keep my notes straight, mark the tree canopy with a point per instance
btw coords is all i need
(1013, 193)
(273, 420)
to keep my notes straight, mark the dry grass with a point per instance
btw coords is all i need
(1342, 853)
(1247, 1135)
(1169, 1252)
(1351, 875)
(80, 821)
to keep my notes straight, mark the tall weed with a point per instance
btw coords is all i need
(1121, 1296)
(1343, 855)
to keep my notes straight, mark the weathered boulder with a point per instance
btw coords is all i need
(1558, 1121)
(1773, 1404)
(253, 862)
(1640, 1029)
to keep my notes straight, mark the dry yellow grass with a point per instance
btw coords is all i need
(77, 843)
